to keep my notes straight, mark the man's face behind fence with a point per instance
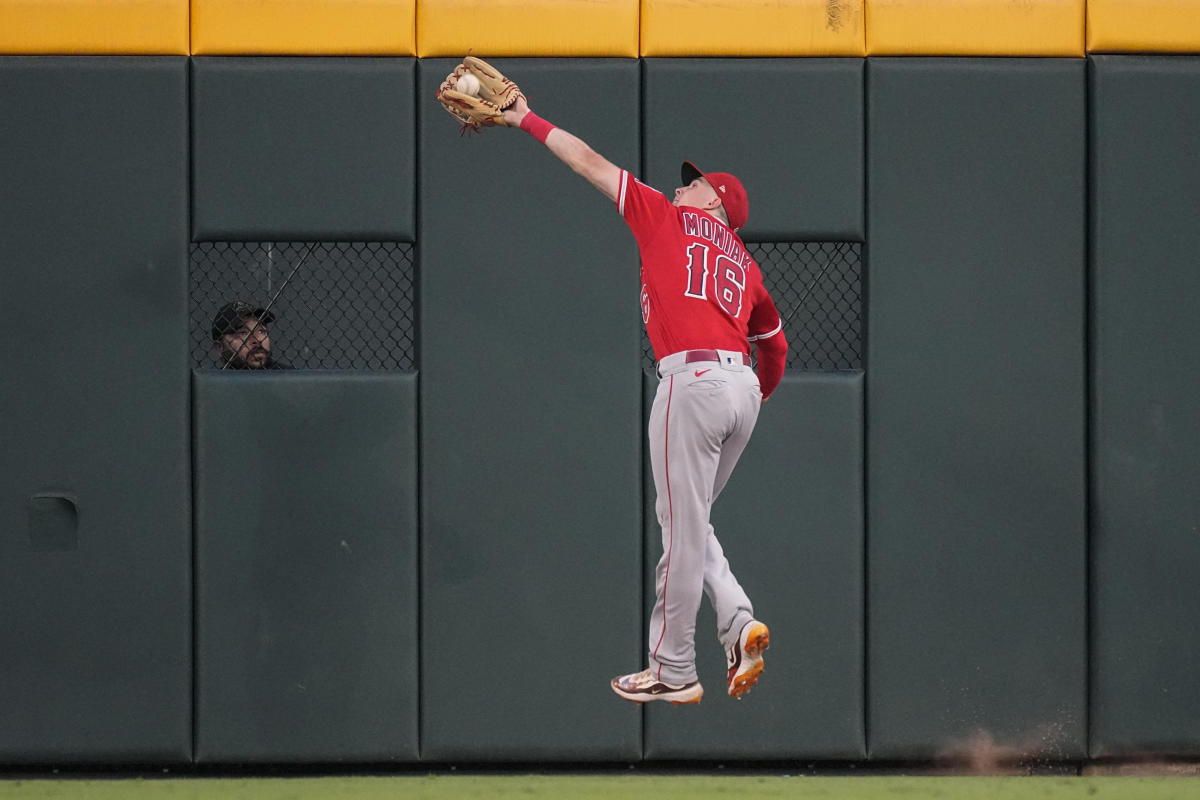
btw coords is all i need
(248, 346)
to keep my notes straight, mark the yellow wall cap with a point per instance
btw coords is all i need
(487, 28)
(975, 27)
(303, 27)
(752, 28)
(1155, 26)
(94, 27)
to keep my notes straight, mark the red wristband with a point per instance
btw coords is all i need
(536, 127)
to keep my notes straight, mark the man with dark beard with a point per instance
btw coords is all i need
(241, 338)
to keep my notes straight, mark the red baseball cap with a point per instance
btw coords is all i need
(728, 188)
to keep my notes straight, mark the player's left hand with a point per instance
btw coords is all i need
(485, 107)
(514, 115)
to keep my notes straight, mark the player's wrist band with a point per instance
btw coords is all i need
(536, 127)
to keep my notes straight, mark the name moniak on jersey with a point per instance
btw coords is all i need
(703, 227)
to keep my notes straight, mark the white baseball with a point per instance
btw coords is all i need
(468, 84)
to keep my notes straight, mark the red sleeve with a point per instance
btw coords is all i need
(643, 208)
(772, 356)
(766, 331)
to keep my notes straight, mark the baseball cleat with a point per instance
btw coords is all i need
(745, 658)
(642, 687)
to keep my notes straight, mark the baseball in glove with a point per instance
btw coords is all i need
(482, 108)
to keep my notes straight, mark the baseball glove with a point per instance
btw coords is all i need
(495, 94)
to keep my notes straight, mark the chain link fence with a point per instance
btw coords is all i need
(351, 305)
(310, 305)
(817, 287)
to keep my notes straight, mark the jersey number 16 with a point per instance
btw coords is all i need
(728, 278)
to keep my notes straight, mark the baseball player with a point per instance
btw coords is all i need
(703, 303)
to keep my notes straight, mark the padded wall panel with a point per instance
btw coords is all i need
(308, 27)
(977, 28)
(975, 410)
(530, 433)
(1145, 446)
(95, 539)
(1161, 26)
(488, 29)
(98, 27)
(306, 566)
(804, 178)
(303, 148)
(718, 28)
(791, 524)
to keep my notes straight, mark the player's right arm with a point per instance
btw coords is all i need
(571, 150)
(766, 332)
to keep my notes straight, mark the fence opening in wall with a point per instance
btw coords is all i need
(302, 305)
(817, 287)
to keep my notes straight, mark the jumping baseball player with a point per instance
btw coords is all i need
(703, 303)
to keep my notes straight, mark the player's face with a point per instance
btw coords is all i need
(252, 343)
(697, 194)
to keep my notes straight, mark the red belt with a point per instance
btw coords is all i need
(692, 356)
(678, 361)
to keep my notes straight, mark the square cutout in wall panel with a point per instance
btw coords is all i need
(303, 305)
(817, 288)
(53, 522)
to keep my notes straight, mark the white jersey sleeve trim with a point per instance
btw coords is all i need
(778, 328)
(621, 191)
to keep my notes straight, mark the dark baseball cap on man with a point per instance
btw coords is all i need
(728, 188)
(232, 315)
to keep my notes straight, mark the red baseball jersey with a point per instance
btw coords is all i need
(700, 288)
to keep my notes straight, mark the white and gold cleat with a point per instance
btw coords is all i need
(643, 687)
(744, 659)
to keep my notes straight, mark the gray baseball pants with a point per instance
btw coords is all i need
(701, 421)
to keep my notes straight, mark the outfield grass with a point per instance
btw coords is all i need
(654, 787)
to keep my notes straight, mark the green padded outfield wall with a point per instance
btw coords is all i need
(289, 149)
(1145, 119)
(325, 548)
(975, 405)
(791, 523)
(516, 453)
(95, 548)
(530, 429)
(306, 566)
(804, 177)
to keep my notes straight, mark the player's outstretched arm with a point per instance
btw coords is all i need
(571, 150)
